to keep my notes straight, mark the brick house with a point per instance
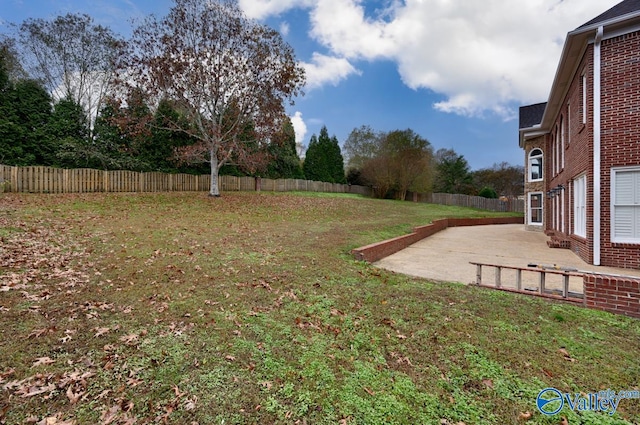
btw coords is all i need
(582, 146)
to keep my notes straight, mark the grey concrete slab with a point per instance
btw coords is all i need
(445, 256)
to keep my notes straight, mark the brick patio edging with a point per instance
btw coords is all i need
(377, 251)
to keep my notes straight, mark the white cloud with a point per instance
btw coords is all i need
(260, 9)
(327, 70)
(479, 55)
(284, 29)
(300, 128)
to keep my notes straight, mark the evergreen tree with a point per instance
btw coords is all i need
(335, 162)
(25, 109)
(32, 109)
(9, 129)
(285, 163)
(313, 162)
(68, 130)
(324, 161)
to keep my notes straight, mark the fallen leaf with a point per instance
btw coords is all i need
(74, 397)
(566, 355)
(42, 361)
(177, 392)
(110, 415)
(53, 420)
(488, 383)
(525, 416)
(100, 332)
(564, 421)
(190, 403)
(129, 339)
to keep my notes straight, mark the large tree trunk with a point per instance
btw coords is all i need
(214, 191)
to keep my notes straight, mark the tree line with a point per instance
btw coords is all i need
(202, 89)
(400, 161)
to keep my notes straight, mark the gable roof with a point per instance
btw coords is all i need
(531, 115)
(620, 9)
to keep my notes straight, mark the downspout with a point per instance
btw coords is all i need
(597, 95)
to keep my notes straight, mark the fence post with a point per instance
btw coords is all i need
(565, 285)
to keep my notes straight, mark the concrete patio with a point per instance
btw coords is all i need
(446, 256)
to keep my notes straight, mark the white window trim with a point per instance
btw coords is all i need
(584, 97)
(615, 239)
(568, 123)
(531, 223)
(562, 141)
(541, 156)
(579, 216)
(562, 220)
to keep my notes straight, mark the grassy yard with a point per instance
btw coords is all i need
(248, 309)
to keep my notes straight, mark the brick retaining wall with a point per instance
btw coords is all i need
(379, 250)
(615, 294)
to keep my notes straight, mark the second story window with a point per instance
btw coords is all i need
(535, 165)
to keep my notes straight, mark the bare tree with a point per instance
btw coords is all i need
(227, 75)
(73, 57)
(362, 145)
(9, 58)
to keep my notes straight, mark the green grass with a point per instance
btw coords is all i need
(181, 308)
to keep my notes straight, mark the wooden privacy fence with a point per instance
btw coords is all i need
(511, 205)
(37, 179)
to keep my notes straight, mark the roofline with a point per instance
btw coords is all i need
(529, 132)
(572, 52)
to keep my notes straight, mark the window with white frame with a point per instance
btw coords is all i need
(568, 124)
(535, 165)
(562, 147)
(535, 208)
(584, 97)
(580, 206)
(556, 151)
(625, 205)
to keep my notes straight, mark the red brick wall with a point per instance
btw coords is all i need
(620, 133)
(578, 159)
(377, 251)
(613, 294)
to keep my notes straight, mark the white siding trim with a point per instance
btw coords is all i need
(597, 94)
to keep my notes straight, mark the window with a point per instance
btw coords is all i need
(535, 208)
(580, 206)
(562, 136)
(568, 124)
(562, 220)
(584, 98)
(556, 151)
(535, 165)
(625, 205)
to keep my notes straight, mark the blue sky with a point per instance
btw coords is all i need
(454, 71)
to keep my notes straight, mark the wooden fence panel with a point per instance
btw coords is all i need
(39, 179)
